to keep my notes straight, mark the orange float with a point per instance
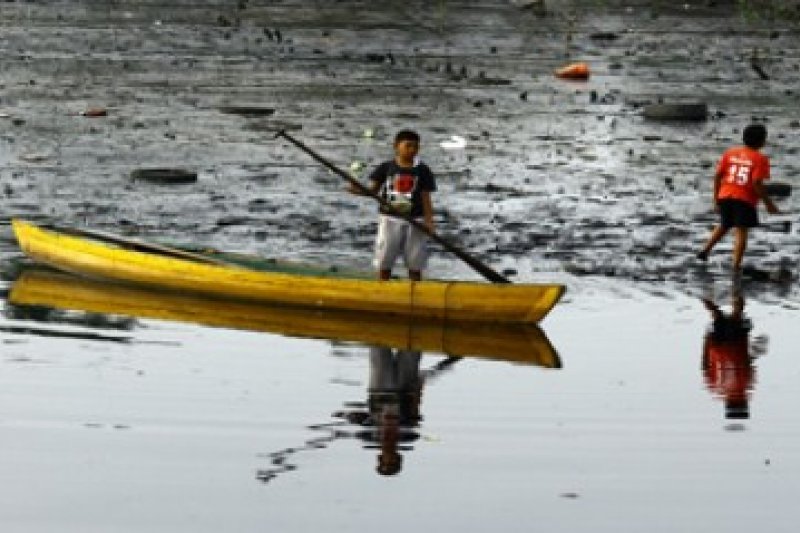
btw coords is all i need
(574, 71)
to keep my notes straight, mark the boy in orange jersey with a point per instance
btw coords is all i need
(738, 187)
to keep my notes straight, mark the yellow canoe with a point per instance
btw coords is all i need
(520, 343)
(105, 256)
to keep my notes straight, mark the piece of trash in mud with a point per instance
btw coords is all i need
(534, 5)
(779, 275)
(456, 142)
(368, 133)
(247, 110)
(165, 176)
(778, 189)
(604, 36)
(356, 167)
(483, 79)
(678, 112)
(94, 112)
(573, 71)
(781, 226)
(376, 57)
(33, 158)
(4, 115)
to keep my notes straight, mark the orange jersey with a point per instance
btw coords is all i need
(741, 168)
(730, 372)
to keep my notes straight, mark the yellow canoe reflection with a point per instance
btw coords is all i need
(521, 343)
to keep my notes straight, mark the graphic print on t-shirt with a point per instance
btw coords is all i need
(400, 191)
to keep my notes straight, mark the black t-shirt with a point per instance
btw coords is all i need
(402, 187)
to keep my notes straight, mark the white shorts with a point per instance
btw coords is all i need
(393, 370)
(397, 237)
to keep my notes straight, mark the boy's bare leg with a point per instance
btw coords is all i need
(718, 233)
(415, 275)
(739, 246)
(384, 275)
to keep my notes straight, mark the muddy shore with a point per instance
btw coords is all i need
(556, 176)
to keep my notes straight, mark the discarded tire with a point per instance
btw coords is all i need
(164, 175)
(778, 189)
(689, 112)
(248, 111)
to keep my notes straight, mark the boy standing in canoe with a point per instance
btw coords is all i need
(738, 187)
(406, 185)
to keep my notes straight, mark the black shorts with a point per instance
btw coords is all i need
(737, 214)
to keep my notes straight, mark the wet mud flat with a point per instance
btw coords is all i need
(556, 176)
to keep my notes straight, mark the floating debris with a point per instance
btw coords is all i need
(573, 71)
(94, 112)
(356, 167)
(604, 36)
(33, 158)
(248, 110)
(778, 189)
(164, 175)
(678, 112)
(456, 142)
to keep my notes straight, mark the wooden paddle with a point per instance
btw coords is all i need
(473, 262)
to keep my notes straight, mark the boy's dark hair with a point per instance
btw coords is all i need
(406, 135)
(755, 135)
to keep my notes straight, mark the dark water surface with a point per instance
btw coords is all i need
(111, 423)
(162, 426)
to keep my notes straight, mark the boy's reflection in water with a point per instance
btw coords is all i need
(393, 404)
(727, 360)
(387, 421)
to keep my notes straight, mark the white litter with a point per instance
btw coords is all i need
(456, 142)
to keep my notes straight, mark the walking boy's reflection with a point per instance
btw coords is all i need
(727, 361)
